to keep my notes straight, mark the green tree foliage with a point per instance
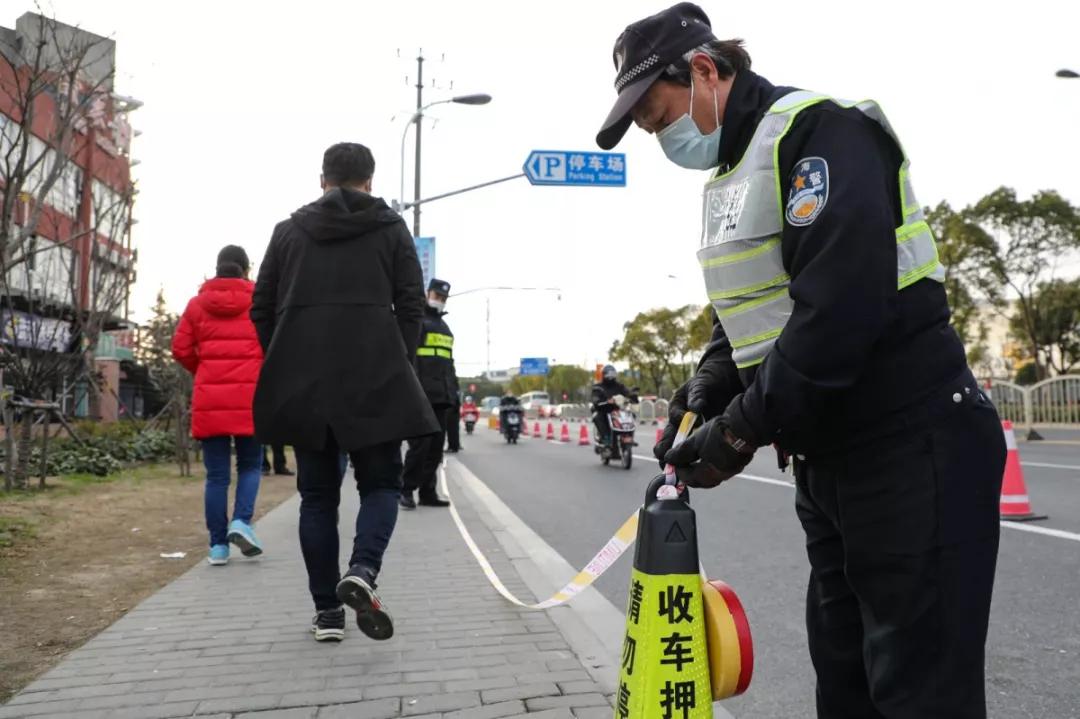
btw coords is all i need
(1056, 310)
(571, 380)
(527, 383)
(969, 285)
(1031, 237)
(662, 344)
(484, 387)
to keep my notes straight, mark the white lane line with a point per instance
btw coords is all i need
(1045, 531)
(1047, 465)
(1032, 528)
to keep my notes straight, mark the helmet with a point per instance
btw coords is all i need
(609, 373)
(468, 398)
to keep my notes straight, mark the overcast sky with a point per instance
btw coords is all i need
(241, 99)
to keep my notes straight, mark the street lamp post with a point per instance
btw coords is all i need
(417, 119)
(487, 308)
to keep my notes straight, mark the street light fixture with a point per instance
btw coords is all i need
(1068, 74)
(472, 99)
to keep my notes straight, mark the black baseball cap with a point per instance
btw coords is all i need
(642, 52)
(440, 286)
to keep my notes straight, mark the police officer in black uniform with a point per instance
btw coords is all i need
(833, 344)
(435, 366)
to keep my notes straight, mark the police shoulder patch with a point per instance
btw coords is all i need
(808, 191)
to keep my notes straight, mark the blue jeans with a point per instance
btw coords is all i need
(217, 451)
(319, 474)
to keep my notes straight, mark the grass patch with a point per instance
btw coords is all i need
(15, 529)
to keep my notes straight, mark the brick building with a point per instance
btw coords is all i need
(57, 102)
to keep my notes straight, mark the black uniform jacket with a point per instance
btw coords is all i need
(856, 351)
(437, 373)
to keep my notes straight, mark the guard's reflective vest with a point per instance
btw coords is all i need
(436, 345)
(743, 218)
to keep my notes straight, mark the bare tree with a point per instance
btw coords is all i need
(64, 233)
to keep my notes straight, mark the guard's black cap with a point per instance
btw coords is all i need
(642, 52)
(440, 286)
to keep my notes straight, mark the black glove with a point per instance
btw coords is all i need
(711, 387)
(707, 458)
(676, 410)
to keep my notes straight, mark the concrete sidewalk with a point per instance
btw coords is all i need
(234, 641)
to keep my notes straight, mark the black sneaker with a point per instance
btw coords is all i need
(406, 501)
(284, 472)
(329, 625)
(357, 590)
(434, 502)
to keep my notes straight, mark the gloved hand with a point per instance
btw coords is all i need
(709, 390)
(707, 458)
(676, 410)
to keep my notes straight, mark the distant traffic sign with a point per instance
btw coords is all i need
(561, 167)
(534, 366)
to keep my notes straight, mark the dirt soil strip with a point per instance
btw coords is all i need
(85, 552)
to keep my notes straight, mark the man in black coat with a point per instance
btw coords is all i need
(337, 307)
(435, 366)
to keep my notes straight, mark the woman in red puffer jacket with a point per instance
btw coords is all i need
(216, 342)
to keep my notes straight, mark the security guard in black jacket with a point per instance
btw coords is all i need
(833, 344)
(435, 367)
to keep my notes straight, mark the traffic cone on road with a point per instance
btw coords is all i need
(1015, 503)
(564, 435)
(583, 438)
(551, 431)
(536, 431)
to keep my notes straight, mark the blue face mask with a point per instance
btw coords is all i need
(684, 144)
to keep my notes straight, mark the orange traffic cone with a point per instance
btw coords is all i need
(583, 438)
(536, 431)
(1015, 504)
(551, 431)
(564, 435)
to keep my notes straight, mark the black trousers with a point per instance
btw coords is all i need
(903, 539)
(319, 474)
(453, 428)
(423, 458)
(279, 457)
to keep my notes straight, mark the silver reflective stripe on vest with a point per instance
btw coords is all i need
(742, 223)
(916, 250)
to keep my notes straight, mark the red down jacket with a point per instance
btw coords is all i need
(216, 342)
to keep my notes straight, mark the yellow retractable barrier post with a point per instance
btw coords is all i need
(665, 662)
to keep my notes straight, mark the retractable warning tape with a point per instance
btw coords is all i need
(687, 639)
(622, 540)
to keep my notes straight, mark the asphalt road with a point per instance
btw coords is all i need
(750, 538)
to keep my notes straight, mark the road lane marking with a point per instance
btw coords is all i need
(1048, 465)
(1045, 531)
(1032, 528)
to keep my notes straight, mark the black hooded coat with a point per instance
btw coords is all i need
(338, 307)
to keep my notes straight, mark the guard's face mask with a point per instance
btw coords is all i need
(439, 305)
(684, 144)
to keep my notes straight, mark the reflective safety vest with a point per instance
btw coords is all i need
(436, 345)
(743, 218)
